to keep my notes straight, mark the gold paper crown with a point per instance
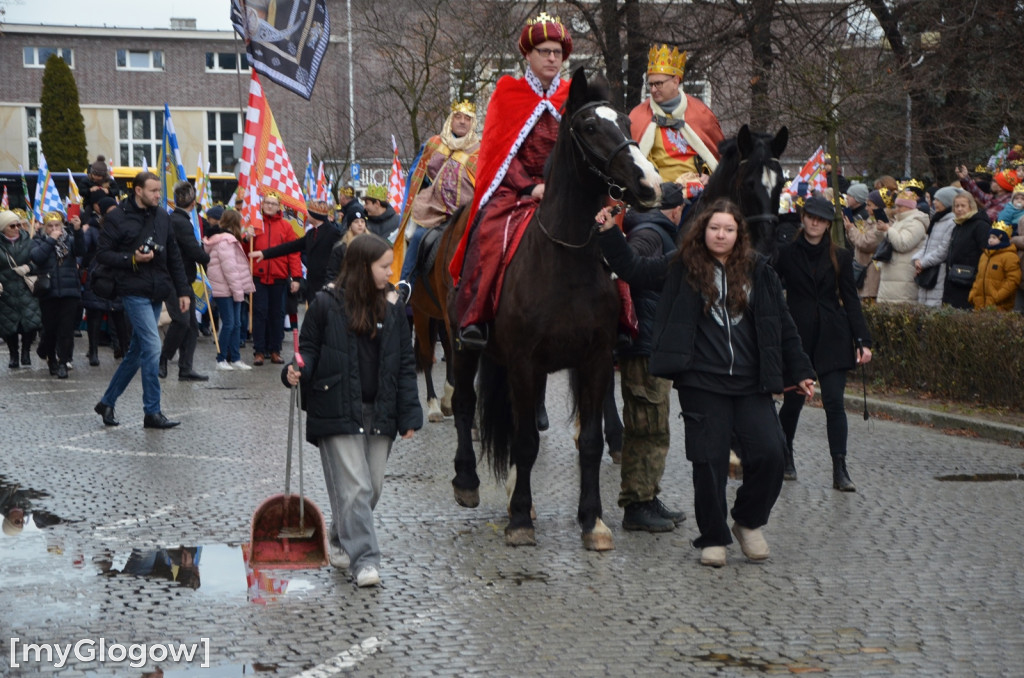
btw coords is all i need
(980, 169)
(544, 18)
(465, 106)
(660, 60)
(910, 183)
(1002, 226)
(378, 192)
(887, 196)
(22, 214)
(53, 216)
(1019, 188)
(272, 194)
(348, 191)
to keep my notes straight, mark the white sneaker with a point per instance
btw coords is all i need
(338, 558)
(239, 365)
(224, 365)
(368, 576)
(752, 542)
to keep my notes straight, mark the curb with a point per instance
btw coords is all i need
(909, 414)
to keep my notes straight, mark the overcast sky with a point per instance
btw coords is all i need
(209, 14)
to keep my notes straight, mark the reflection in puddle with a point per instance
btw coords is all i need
(17, 510)
(981, 477)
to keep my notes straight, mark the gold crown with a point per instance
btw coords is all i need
(465, 106)
(887, 196)
(660, 60)
(53, 216)
(544, 18)
(272, 194)
(910, 183)
(1002, 226)
(1019, 188)
(22, 214)
(980, 169)
(378, 192)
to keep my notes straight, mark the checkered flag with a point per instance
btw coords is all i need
(47, 197)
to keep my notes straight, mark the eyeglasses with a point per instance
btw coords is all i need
(548, 53)
(657, 84)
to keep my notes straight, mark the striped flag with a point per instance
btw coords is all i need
(396, 186)
(5, 202)
(309, 181)
(203, 197)
(47, 197)
(321, 183)
(24, 191)
(813, 173)
(265, 165)
(74, 196)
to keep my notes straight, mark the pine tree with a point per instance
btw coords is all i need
(63, 128)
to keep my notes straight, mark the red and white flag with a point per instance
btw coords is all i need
(6, 202)
(265, 165)
(396, 186)
(321, 183)
(813, 174)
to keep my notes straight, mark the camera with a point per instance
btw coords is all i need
(151, 246)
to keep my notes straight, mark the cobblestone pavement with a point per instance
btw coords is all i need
(909, 576)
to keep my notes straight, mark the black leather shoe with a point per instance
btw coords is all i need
(163, 368)
(53, 365)
(205, 331)
(644, 516)
(62, 371)
(473, 337)
(94, 358)
(107, 412)
(13, 362)
(158, 420)
(840, 476)
(26, 356)
(192, 375)
(665, 512)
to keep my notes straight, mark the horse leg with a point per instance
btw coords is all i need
(434, 415)
(542, 411)
(446, 399)
(466, 483)
(612, 423)
(525, 445)
(592, 385)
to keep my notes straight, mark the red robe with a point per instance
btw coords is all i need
(513, 112)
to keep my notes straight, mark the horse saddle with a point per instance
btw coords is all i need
(429, 248)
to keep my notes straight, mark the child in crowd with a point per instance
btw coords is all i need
(359, 392)
(231, 279)
(1014, 210)
(999, 271)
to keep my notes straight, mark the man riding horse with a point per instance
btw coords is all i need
(519, 135)
(442, 181)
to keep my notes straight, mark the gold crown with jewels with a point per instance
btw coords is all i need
(661, 60)
(544, 18)
(465, 106)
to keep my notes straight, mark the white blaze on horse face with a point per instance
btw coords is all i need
(768, 179)
(651, 178)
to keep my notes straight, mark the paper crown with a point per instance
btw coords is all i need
(378, 192)
(465, 106)
(1019, 188)
(1004, 227)
(348, 191)
(887, 196)
(53, 216)
(1007, 179)
(22, 214)
(660, 60)
(911, 184)
(270, 194)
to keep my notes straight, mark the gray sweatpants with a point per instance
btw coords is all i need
(354, 471)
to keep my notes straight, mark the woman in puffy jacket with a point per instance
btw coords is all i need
(906, 233)
(53, 252)
(19, 310)
(231, 280)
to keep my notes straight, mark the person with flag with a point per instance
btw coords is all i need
(519, 135)
(443, 179)
(381, 217)
(183, 332)
(274, 279)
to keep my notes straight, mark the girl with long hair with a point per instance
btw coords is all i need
(724, 337)
(231, 279)
(359, 390)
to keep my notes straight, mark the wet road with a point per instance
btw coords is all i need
(133, 537)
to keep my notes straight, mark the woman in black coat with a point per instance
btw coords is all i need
(969, 240)
(53, 252)
(825, 306)
(723, 335)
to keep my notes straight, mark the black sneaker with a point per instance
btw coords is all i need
(665, 512)
(644, 516)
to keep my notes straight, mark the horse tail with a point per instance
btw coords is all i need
(495, 410)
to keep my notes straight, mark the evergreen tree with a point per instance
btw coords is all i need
(63, 129)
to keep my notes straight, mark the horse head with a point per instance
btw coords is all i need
(750, 174)
(603, 146)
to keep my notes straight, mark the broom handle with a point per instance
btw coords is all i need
(294, 321)
(288, 463)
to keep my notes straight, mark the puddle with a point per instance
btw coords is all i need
(980, 477)
(18, 511)
(223, 671)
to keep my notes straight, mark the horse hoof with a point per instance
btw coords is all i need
(598, 539)
(467, 498)
(519, 536)
(434, 415)
(446, 400)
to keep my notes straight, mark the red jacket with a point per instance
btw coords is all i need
(276, 231)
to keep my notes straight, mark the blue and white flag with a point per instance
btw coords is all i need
(310, 180)
(172, 169)
(47, 197)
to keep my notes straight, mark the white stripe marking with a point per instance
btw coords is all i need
(347, 659)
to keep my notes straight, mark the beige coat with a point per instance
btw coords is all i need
(906, 234)
(865, 238)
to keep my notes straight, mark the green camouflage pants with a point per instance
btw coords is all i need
(645, 440)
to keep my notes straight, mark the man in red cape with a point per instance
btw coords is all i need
(519, 135)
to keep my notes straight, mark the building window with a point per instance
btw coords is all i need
(226, 62)
(32, 130)
(35, 57)
(140, 60)
(140, 136)
(221, 128)
(700, 89)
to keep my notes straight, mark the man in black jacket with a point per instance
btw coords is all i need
(645, 398)
(184, 330)
(315, 246)
(137, 245)
(349, 204)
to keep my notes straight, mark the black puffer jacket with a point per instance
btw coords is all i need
(968, 241)
(192, 253)
(781, 360)
(122, 233)
(331, 385)
(17, 305)
(649, 234)
(65, 281)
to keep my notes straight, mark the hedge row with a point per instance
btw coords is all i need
(962, 355)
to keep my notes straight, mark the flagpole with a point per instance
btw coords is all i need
(209, 306)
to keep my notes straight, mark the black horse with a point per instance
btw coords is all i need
(558, 310)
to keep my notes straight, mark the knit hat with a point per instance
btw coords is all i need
(7, 218)
(946, 195)
(671, 195)
(1003, 231)
(1006, 179)
(545, 27)
(215, 212)
(105, 204)
(858, 192)
(817, 206)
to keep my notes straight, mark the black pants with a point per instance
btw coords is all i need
(181, 334)
(711, 420)
(833, 386)
(61, 316)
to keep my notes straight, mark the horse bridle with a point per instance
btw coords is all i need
(769, 217)
(588, 153)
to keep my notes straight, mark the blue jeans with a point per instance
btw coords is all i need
(411, 252)
(143, 353)
(268, 316)
(230, 335)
